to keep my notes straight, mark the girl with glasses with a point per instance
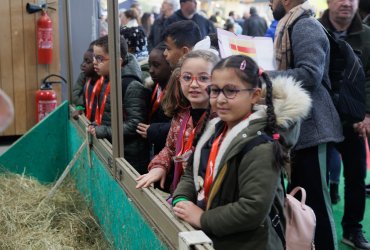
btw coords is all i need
(226, 191)
(187, 100)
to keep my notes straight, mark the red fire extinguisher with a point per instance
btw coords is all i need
(44, 38)
(46, 98)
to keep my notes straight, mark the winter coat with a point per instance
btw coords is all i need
(310, 47)
(135, 109)
(78, 90)
(155, 36)
(206, 26)
(255, 26)
(164, 158)
(158, 130)
(245, 186)
(358, 36)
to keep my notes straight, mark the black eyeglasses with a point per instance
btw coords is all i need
(187, 79)
(99, 59)
(228, 91)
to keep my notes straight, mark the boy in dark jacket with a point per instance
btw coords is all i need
(135, 103)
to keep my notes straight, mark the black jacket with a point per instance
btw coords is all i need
(254, 26)
(206, 27)
(157, 132)
(156, 31)
(135, 109)
(358, 36)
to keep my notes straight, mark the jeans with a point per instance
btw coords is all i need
(333, 162)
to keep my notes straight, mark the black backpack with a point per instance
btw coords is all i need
(347, 80)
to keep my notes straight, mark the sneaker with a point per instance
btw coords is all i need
(356, 239)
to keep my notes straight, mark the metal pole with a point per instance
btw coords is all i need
(115, 78)
(68, 45)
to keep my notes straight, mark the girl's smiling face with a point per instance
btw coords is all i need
(194, 79)
(241, 96)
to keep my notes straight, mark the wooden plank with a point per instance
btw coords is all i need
(6, 77)
(18, 61)
(32, 83)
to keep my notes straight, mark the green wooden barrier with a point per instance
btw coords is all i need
(45, 151)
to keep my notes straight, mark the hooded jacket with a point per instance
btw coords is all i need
(135, 108)
(238, 215)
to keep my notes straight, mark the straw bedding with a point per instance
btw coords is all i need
(63, 222)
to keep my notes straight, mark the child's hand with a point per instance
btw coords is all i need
(154, 175)
(77, 113)
(91, 130)
(189, 212)
(142, 129)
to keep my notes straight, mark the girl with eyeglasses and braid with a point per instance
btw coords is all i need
(187, 100)
(228, 192)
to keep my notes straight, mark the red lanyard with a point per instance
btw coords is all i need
(156, 100)
(95, 92)
(208, 179)
(99, 112)
(189, 143)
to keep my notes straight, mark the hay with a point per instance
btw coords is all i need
(63, 222)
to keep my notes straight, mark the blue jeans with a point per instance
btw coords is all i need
(333, 163)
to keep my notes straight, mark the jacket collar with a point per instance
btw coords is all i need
(354, 28)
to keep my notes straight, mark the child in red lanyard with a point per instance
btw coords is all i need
(135, 104)
(228, 192)
(160, 72)
(192, 102)
(83, 89)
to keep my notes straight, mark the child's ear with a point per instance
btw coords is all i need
(185, 50)
(256, 96)
(121, 61)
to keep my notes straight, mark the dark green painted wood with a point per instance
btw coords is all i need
(120, 219)
(43, 151)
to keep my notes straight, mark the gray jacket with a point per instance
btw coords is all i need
(311, 48)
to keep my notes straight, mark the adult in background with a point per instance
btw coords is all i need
(302, 51)
(343, 21)
(254, 25)
(237, 27)
(364, 10)
(147, 20)
(167, 9)
(188, 11)
(129, 18)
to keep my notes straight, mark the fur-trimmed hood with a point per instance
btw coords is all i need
(291, 104)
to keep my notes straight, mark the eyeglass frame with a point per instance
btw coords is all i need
(193, 77)
(221, 90)
(99, 58)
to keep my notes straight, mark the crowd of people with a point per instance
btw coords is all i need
(217, 134)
